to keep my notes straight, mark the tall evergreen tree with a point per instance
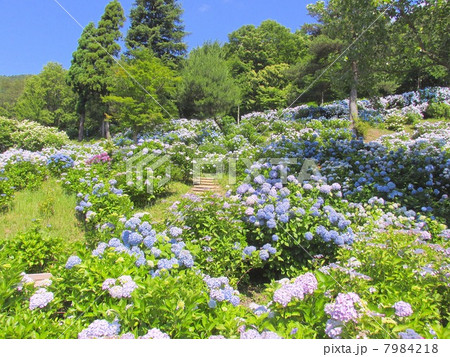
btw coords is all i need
(106, 47)
(157, 26)
(80, 73)
(90, 72)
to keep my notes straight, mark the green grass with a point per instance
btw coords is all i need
(50, 205)
(374, 133)
(160, 209)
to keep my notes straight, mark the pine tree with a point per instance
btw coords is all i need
(157, 26)
(207, 88)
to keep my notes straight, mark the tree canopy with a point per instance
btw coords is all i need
(142, 92)
(207, 88)
(157, 26)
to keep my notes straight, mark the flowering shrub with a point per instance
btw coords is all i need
(6, 191)
(99, 159)
(59, 163)
(30, 135)
(34, 249)
(24, 174)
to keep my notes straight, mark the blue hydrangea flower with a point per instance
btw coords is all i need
(177, 247)
(248, 251)
(269, 248)
(114, 243)
(72, 261)
(185, 258)
(135, 239)
(132, 223)
(409, 334)
(156, 252)
(149, 241)
(264, 254)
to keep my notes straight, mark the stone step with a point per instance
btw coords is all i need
(206, 184)
(39, 278)
(200, 189)
(205, 181)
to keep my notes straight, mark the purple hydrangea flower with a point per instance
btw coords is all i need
(343, 309)
(175, 231)
(403, 309)
(334, 328)
(108, 283)
(40, 299)
(100, 329)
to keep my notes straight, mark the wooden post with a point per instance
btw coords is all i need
(239, 115)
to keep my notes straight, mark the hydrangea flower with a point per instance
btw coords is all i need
(72, 261)
(304, 284)
(253, 334)
(100, 329)
(409, 334)
(343, 309)
(248, 251)
(135, 239)
(175, 231)
(121, 287)
(334, 328)
(40, 299)
(154, 334)
(403, 309)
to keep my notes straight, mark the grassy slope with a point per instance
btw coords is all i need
(374, 133)
(33, 204)
(159, 210)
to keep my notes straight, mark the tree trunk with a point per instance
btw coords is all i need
(321, 102)
(107, 132)
(102, 128)
(135, 136)
(354, 94)
(82, 114)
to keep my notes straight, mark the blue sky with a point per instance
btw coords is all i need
(34, 32)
